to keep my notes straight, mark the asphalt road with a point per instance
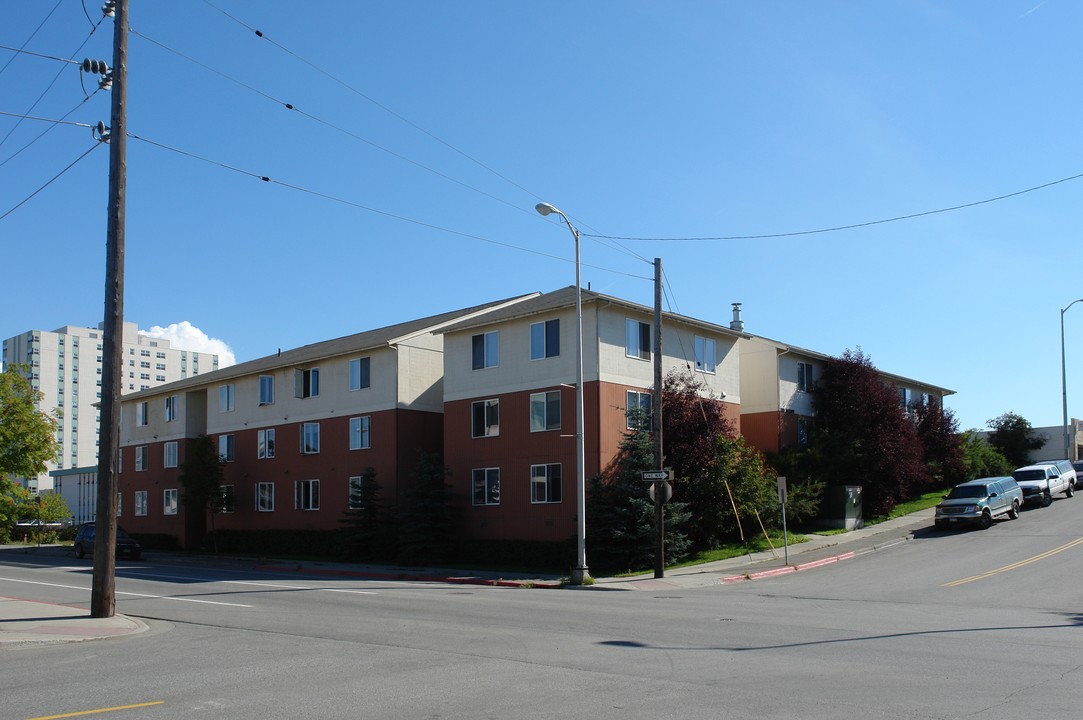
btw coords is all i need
(948, 625)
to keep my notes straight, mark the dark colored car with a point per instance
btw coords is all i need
(126, 545)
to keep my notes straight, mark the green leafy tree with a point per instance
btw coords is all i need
(982, 459)
(368, 532)
(863, 435)
(1013, 436)
(428, 520)
(27, 435)
(804, 490)
(621, 535)
(201, 476)
(941, 443)
(43, 509)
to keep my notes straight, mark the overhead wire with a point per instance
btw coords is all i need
(27, 42)
(54, 123)
(51, 181)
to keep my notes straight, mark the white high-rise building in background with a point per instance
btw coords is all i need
(65, 365)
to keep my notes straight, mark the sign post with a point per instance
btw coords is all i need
(785, 534)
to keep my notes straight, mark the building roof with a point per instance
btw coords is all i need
(358, 342)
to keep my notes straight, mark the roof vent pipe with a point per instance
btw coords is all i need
(737, 324)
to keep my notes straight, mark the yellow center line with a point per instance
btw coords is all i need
(99, 710)
(1014, 566)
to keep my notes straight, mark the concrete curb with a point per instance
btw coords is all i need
(788, 569)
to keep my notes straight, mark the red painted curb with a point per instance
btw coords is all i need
(786, 570)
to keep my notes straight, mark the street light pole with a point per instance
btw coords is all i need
(580, 574)
(1064, 378)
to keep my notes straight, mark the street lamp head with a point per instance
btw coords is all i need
(545, 209)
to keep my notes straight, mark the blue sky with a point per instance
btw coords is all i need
(425, 132)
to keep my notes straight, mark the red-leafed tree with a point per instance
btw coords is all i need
(941, 441)
(863, 435)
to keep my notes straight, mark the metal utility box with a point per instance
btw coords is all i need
(842, 507)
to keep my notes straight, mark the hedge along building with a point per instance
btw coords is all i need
(297, 430)
(509, 389)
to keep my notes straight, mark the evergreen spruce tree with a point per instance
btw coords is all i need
(368, 534)
(428, 520)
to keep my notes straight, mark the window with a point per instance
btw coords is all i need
(637, 339)
(905, 397)
(486, 482)
(804, 377)
(802, 432)
(359, 433)
(306, 383)
(485, 418)
(169, 501)
(140, 503)
(307, 496)
(705, 354)
(265, 444)
(266, 389)
(485, 350)
(357, 488)
(225, 398)
(171, 408)
(310, 438)
(638, 410)
(120, 504)
(265, 497)
(141, 413)
(226, 501)
(545, 483)
(225, 447)
(545, 411)
(545, 339)
(141, 458)
(170, 454)
(359, 373)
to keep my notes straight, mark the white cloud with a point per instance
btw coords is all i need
(186, 336)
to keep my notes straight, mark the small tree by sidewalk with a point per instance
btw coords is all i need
(201, 476)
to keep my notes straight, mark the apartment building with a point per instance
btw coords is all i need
(65, 365)
(297, 430)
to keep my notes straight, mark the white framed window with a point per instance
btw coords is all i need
(227, 501)
(485, 349)
(705, 354)
(140, 503)
(637, 339)
(265, 497)
(306, 495)
(226, 398)
(266, 389)
(905, 398)
(141, 413)
(545, 339)
(306, 382)
(486, 486)
(356, 489)
(310, 438)
(545, 483)
(120, 504)
(171, 408)
(225, 447)
(169, 501)
(141, 458)
(638, 410)
(804, 377)
(359, 373)
(170, 454)
(485, 418)
(359, 433)
(265, 444)
(545, 411)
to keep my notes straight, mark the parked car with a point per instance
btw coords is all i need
(1041, 482)
(1078, 467)
(126, 544)
(1067, 469)
(977, 502)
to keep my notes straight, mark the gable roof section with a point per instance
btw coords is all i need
(358, 342)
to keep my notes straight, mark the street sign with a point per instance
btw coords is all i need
(657, 475)
(667, 491)
(782, 489)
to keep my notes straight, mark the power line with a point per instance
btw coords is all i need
(20, 51)
(845, 227)
(39, 27)
(54, 178)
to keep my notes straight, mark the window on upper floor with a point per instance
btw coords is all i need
(226, 398)
(638, 410)
(266, 389)
(545, 483)
(265, 497)
(141, 413)
(705, 354)
(310, 438)
(359, 433)
(637, 339)
(486, 486)
(141, 458)
(905, 397)
(545, 411)
(171, 408)
(306, 382)
(545, 339)
(486, 350)
(306, 495)
(170, 454)
(169, 501)
(140, 502)
(226, 447)
(485, 418)
(265, 444)
(804, 377)
(359, 373)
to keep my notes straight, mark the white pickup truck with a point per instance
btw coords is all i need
(1041, 482)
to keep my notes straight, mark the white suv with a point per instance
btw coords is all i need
(1040, 482)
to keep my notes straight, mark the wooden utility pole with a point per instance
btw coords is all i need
(103, 586)
(659, 488)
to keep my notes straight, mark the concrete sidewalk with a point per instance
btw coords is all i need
(26, 622)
